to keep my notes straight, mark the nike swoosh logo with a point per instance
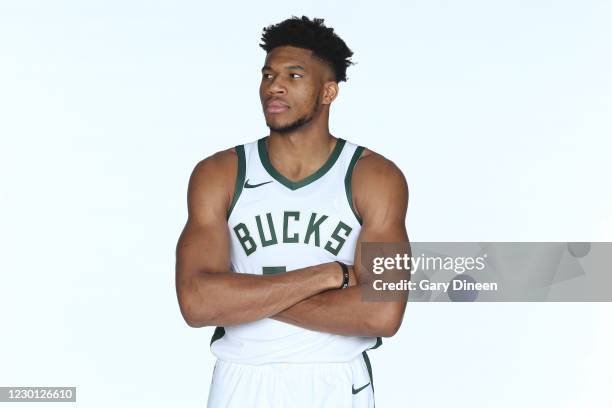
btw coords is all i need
(247, 185)
(355, 391)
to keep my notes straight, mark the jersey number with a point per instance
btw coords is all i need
(271, 270)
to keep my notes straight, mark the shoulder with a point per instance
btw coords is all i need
(216, 164)
(378, 185)
(212, 180)
(373, 168)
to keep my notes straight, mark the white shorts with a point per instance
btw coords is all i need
(295, 385)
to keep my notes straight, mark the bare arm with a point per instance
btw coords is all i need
(381, 197)
(208, 292)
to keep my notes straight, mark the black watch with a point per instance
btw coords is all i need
(345, 276)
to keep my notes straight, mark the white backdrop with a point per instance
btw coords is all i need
(499, 114)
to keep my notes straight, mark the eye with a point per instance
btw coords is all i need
(264, 76)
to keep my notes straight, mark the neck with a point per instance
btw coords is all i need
(300, 153)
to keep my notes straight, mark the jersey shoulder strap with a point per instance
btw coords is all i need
(240, 175)
(355, 152)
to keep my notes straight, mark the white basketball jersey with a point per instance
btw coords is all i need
(278, 225)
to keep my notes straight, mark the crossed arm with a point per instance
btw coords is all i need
(211, 295)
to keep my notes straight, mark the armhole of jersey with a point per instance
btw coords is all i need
(378, 343)
(369, 367)
(367, 360)
(348, 179)
(219, 332)
(239, 177)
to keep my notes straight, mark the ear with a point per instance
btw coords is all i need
(330, 92)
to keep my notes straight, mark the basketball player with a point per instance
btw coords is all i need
(270, 252)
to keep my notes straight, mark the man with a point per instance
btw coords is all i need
(272, 226)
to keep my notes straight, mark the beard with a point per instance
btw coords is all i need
(296, 124)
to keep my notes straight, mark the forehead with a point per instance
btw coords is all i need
(286, 56)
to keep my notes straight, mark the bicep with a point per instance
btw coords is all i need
(202, 248)
(203, 245)
(381, 198)
(389, 232)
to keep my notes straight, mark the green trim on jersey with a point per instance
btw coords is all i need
(348, 179)
(378, 343)
(369, 366)
(241, 173)
(219, 332)
(367, 361)
(294, 185)
(239, 177)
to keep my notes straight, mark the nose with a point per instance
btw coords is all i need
(276, 86)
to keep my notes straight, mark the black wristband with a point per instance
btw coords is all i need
(345, 276)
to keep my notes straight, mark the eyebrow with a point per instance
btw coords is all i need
(286, 67)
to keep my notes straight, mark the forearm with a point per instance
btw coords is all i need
(229, 298)
(343, 312)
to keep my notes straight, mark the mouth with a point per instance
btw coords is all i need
(276, 107)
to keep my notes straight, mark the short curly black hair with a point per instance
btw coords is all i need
(313, 35)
